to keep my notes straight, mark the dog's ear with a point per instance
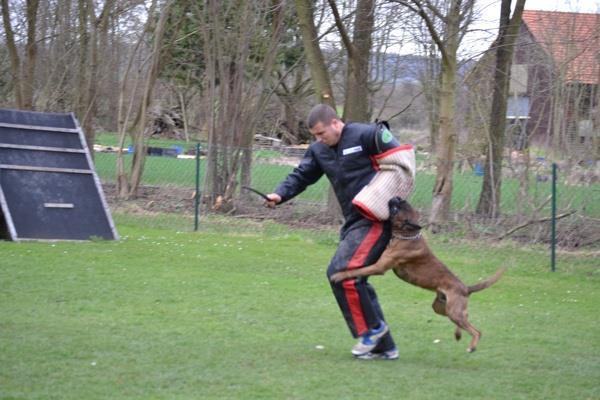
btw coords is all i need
(394, 205)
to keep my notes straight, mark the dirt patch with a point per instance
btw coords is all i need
(153, 200)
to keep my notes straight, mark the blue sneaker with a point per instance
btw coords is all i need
(369, 340)
(392, 354)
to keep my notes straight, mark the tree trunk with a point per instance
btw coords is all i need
(139, 130)
(98, 31)
(356, 104)
(489, 200)
(455, 19)
(318, 72)
(84, 38)
(314, 56)
(124, 112)
(431, 87)
(28, 81)
(356, 101)
(15, 62)
(442, 191)
(23, 75)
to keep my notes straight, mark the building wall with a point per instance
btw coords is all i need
(539, 85)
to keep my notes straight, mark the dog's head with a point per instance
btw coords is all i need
(402, 215)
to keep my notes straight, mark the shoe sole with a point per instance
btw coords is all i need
(372, 356)
(367, 349)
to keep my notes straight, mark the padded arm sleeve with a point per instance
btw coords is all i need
(387, 152)
(396, 175)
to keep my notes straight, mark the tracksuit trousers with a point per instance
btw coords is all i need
(361, 244)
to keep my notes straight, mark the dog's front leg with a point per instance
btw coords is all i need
(378, 268)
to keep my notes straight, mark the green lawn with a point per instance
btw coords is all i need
(223, 315)
(112, 139)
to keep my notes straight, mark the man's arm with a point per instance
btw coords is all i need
(306, 173)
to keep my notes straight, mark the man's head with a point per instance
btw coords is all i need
(324, 124)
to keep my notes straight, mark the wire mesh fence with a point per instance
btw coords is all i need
(166, 198)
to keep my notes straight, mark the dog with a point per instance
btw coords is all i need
(412, 261)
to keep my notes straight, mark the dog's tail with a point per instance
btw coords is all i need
(488, 282)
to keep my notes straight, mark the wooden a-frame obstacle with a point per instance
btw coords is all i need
(49, 189)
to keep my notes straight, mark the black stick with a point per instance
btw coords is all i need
(264, 196)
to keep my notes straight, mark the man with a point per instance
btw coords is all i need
(347, 154)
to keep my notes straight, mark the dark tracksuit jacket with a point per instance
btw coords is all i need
(349, 166)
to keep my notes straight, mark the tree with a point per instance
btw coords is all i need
(128, 185)
(356, 102)
(23, 71)
(430, 81)
(92, 30)
(314, 55)
(240, 41)
(447, 38)
(293, 85)
(489, 200)
(358, 50)
(183, 73)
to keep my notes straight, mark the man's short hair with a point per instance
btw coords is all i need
(321, 113)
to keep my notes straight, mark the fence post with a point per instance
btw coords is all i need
(197, 196)
(553, 238)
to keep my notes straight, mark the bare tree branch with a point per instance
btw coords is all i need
(407, 106)
(342, 29)
(417, 8)
(531, 222)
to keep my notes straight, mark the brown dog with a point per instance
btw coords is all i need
(412, 261)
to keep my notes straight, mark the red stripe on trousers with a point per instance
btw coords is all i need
(358, 260)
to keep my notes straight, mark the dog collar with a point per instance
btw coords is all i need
(414, 237)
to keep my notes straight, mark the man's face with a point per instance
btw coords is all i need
(328, 134)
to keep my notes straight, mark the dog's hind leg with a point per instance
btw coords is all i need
(475, 335)
(439, 304)
(457, 312)
(458, 333)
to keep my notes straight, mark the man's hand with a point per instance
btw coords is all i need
(274, 200)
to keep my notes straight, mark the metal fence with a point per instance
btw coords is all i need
(167, 198)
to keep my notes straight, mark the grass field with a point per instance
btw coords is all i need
(223, 315)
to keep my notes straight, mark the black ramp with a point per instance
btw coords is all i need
(36, 137)
(50, 205)
(4, 235)
(32, 118)
(40, 158)
(49, 189)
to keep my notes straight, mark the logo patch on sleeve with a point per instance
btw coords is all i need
(351, 150)
(386, 136)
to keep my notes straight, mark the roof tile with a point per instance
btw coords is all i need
(572, 39)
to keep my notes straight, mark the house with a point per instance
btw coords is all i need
(554, 93)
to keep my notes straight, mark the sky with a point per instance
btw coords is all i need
(485, 30)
